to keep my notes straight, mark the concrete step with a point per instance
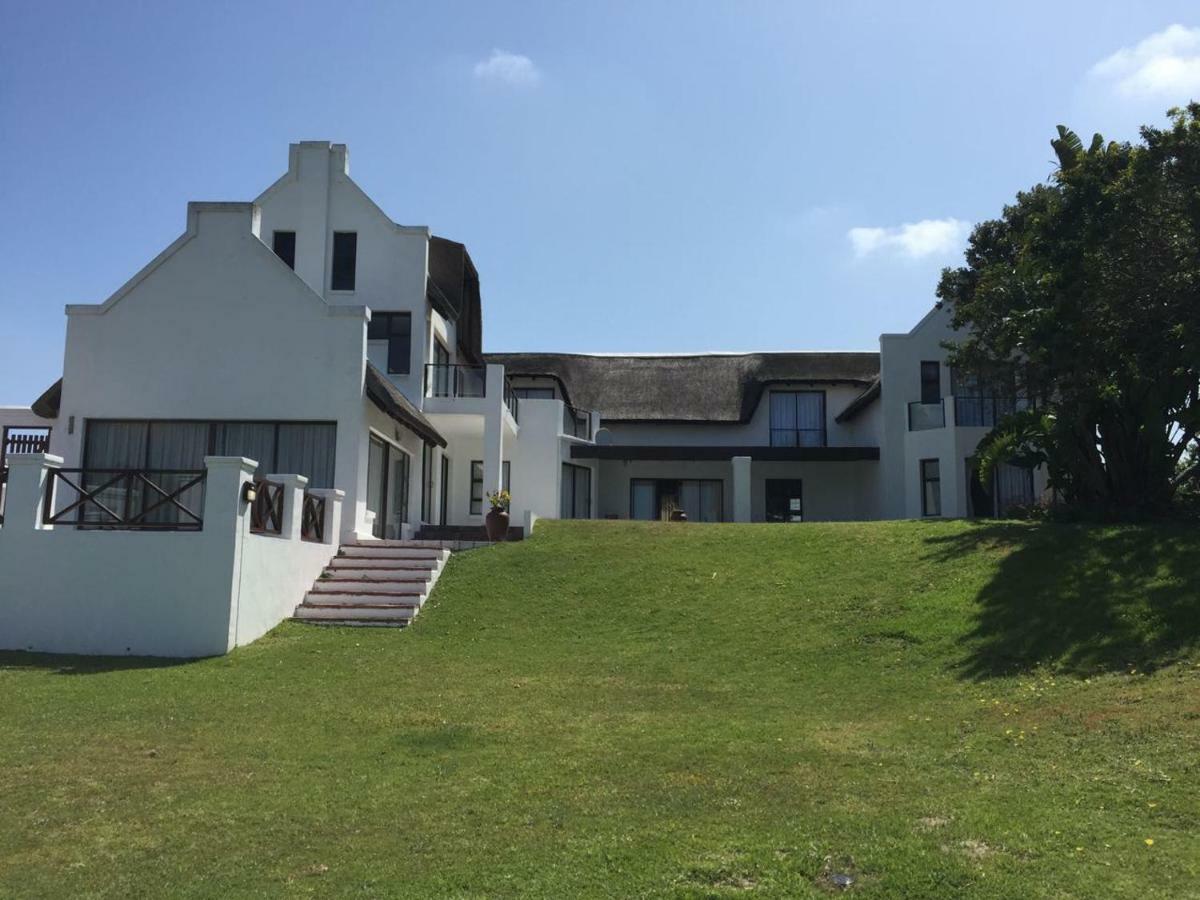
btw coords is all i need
(368, 562)
(393, 581)
(347, 622)
(413, 544)
(362, 613)
(378, 573)
(361, 551)
(366, 595)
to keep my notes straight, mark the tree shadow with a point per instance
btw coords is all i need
(1081, 599)
(64, 664)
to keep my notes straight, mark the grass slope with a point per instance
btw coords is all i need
(620, 709)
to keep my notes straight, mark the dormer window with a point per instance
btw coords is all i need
(396, 329)
(345, 260)
(284, 246)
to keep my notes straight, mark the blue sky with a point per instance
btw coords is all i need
(628, 176)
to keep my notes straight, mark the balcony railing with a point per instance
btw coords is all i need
(924, 416)
(312, 518)
(512, 401)
(577, 422)
(454, 381)
(17, 441)
(266, 512)
(126, 499)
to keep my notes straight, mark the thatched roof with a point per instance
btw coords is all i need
(862, 401)
(388, 398)
(48, 403)
(712, 387)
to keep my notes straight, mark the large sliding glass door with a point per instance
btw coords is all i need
(388, 471)
(700, 499)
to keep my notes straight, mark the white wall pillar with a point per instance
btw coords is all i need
(27, 477)
(741, 488)
(293, 504)
(333, 511)
(493, 431)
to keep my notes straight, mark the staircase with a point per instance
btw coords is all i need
(380, 583)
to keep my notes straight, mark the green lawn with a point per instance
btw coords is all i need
(616, 709)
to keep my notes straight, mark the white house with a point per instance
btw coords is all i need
(340, 356)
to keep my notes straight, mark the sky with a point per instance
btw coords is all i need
(628, 176)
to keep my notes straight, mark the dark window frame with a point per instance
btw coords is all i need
(658, 493)
(384, 326)
(926, 480)
(213, 424)
(931, 381)
(797, 431)
(475, 504)
(575, 473)
(286, 252)
(535, 393)
(343, 268)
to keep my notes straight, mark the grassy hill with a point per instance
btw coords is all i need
(621, 709)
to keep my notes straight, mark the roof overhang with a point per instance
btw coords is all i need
(718, 452)
(387, 397)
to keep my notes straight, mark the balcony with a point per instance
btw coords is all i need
(577, 423)
(458, 382)
(455, 382)
(926, 416)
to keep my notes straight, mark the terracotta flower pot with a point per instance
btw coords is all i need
(496, 524)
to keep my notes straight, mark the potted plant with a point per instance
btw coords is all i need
(496, 521)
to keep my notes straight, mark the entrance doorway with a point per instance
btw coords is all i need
(785, 500)
(387, 488)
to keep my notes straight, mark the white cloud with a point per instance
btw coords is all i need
(1165, 66)
(508, 68)
(913, 240)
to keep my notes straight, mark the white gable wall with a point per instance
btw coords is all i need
(217, 328)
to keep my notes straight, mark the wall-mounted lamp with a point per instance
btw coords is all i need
(249, 492)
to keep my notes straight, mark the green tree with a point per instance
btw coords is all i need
(1086, 293)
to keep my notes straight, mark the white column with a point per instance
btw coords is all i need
(493, 431)
(741, 488)
(223, 492)
(293, 504)
(27, 477)
(333, 511)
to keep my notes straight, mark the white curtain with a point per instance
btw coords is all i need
(1014, 487)
(175, 445)
(253, 440)
(307, 450)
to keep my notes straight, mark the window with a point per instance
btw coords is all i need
(300, 448)
(528, 393)
(477, 484)
(576, 501)
(931, 382)
(931, 488)
(797, 418)
(426, 483)
(701, 499)
(285, 247)
(345, 257)
(396, 329)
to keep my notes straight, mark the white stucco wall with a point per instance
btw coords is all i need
(177, 594)
(317, 197)
(217, 327)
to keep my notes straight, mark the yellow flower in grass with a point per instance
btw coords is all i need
(1149, 842)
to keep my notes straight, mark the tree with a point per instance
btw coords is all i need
(1085, 294)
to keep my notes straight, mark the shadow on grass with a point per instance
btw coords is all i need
(1081, 599)
(62, 664)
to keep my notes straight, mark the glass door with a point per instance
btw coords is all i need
(785, 500)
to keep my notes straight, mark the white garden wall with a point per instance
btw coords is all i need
(172, 594)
